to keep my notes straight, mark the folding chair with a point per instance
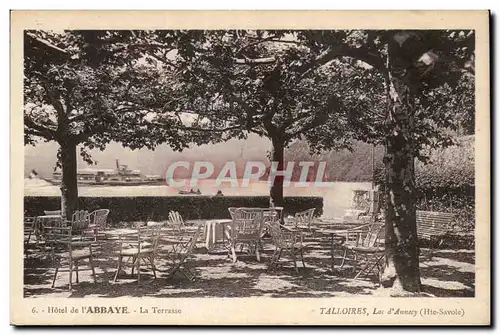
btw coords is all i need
(175, 221)
(180, 257)
(29, 226)
(302, 220)
(289, 241)
(365, 242)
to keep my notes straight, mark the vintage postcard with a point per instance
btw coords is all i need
(250, 168)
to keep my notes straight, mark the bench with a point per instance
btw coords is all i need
(433, 226)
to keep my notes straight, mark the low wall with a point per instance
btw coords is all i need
(126, 209)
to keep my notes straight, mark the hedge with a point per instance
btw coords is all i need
(129, 209)
(447, 183)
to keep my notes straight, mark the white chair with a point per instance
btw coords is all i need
(138, 249)
(246, 230)
(98, 222)
(182, 253)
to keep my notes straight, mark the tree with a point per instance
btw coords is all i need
(268, 83)
(88, 88)
(413, 64)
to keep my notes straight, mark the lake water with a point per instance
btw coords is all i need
(337, 196)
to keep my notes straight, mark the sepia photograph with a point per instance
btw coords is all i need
(243, 163)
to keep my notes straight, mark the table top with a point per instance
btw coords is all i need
(220, 221)
(174, 240)
(332, 231)
(49, 216)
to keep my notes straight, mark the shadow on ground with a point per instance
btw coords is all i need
(445, 273)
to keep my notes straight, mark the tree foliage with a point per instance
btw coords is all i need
(90, 87)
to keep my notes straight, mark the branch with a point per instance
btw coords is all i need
(259, 41)
(259, 61)
(318, 120)
(283, 41)
(83, 136)
(39, 129)
(259, 132)
(213, 130)
(51, 95)
(33, 132)
(46, 43)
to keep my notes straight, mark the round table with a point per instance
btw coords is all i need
(337, 237)
(214, 232)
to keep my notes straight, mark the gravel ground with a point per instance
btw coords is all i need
(449, 273)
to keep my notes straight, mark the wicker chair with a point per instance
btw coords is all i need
(289, 241)
(246, 230)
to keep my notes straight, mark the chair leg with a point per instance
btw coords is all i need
(369, 267)
(279, 256)
(118, 268)
(70, 274)
(294, 258)
(55, 275)
(174, 269)
(302, 257)
(151, 261)
(138, 260)
(431, 250)
(233, 253)
(186, 271)
(134, 261)
(76, 270)
(28, 241)
(257, 251)
(91, 263)
(274, 257)
(344, 257)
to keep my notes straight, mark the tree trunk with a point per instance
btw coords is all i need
(279, 157)
(69, 187)
(402, 253)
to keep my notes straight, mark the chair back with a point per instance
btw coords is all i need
(58, 237)
(304, 218)
(372, 236)
(29, 223)
(276, 234)
(232, 210)
(52, 212)
(194, 239)
(99, 218)
(175, 219)
(273, 214)
(247, 223)
(80, 220)
(150, 236)
(42, 222)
